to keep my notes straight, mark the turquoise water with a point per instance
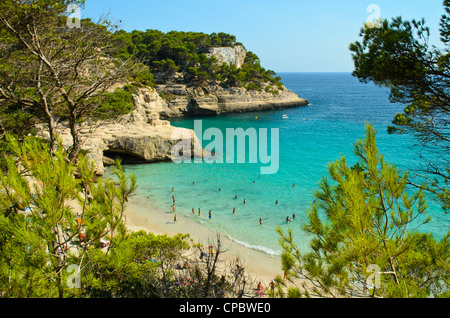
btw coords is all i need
(309, 139)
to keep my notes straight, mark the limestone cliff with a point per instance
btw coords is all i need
(144, 136)
(235, 55)
(138, 137)
(183, 100)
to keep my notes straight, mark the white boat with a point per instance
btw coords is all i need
(284, 117)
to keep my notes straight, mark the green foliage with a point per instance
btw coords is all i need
(133, 269)
(367, 216)
(42, 231)
(397, 54)
(115, 104)
(184, 52)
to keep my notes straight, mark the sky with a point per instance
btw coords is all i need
(287, 35)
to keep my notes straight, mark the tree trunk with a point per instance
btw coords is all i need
(76, 143)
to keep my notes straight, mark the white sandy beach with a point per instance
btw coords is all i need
(260, 266)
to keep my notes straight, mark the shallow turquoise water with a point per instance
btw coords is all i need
(309, 139)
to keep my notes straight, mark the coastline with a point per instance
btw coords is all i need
(260, 266)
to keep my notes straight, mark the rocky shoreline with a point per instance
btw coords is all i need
(145, 135)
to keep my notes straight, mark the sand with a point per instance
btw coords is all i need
(260, 266)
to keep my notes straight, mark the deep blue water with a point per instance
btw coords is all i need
(311, 138)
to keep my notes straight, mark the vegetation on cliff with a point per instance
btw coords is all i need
(186, 53)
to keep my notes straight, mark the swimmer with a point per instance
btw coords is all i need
(235, 196)
(220, 189)
(293, 185)
(293, 216)
(234, 210)
(260, 221)
(276, 202)
(173, 189)
(244, 201)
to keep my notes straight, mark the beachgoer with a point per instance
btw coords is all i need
(210, 215)
(175, 218)
(293, 216)
(260, 221)
(173, 189)
(293, 185)
(220, 189)
(235, 196)
(234, 210)
(174, 208)
(244, 201)
(272, 285)
(193, 210)
(173, 198)
(287, 219)
(276, 202)
(199, 212)
(259, 287)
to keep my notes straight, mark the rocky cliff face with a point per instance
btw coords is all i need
(235, 55)
(215, 100)
(145, 136)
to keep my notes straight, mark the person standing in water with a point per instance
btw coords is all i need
(260, 221)
(234, 210)
(210, 214)
(175, 218)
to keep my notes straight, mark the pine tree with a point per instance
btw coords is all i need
(364, 225)
(51, 214)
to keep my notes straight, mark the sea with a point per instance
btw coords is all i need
(309, 139)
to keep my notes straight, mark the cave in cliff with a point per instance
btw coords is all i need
(126, 158)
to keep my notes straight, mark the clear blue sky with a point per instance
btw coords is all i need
(287, 35)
